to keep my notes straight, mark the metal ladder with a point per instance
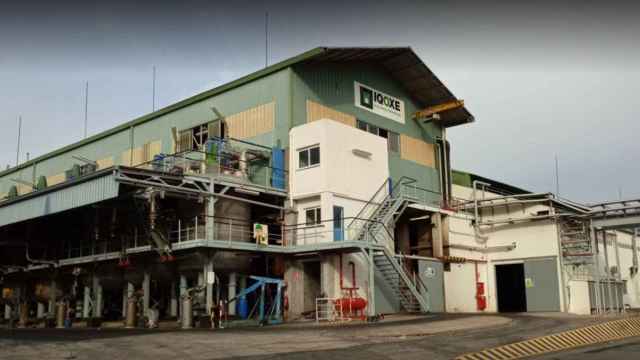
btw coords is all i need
(375, 230)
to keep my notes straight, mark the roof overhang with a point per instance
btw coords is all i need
(408, 70)
(84, 191)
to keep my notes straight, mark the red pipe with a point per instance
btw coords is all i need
(353, 275)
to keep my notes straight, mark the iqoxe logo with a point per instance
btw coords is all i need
(378, 102)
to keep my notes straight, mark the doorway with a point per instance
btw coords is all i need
(510, 288)
(312, 284)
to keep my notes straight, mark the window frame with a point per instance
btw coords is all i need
(317, 216)
(365, 126)
(307, 150)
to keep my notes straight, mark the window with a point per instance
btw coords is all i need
(393, 139)
(308, 157)
(194, 138)
(312, 216)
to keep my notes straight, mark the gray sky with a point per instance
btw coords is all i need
(541, 79)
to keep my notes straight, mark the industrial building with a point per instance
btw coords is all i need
(260, 196)
(517, 251)
(319, 183)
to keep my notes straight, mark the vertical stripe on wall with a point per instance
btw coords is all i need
(417, 150)
(252, 122)
(317, 111)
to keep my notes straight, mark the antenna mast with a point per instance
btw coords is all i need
(266, 39)
(19, 138)
(86, 106)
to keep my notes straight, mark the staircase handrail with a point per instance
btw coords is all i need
(402, 273)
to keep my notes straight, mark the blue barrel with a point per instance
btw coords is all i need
(242, 308)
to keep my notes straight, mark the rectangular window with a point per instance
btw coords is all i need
(194, 138)
(312, 216)
(309, 157)
(393, 139)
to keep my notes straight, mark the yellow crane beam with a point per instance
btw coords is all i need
(432, 110)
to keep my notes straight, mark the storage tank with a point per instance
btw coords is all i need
(233, 221)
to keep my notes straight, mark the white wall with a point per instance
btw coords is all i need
(342, 178)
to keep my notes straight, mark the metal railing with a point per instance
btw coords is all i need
(220, 166)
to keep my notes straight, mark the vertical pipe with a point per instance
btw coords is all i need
(596, 259)
(208, 272)
(372, 304)
(52, 298)
(153, 96)
(183, 290)
(40, 310)
(231, 293)
(173, 300)
(97, 308)
(86, 306)
(607, 269)
(7, 312)
(146, 289)
(618, 274)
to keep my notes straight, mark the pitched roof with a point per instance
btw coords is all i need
(401, 62)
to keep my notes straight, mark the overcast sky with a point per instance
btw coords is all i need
(541, 79)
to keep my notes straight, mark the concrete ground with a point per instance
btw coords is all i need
(429, 337)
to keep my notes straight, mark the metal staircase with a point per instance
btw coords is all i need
(372, 224)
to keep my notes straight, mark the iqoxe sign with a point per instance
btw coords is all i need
(378, 102)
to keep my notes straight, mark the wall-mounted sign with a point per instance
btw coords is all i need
(528, 283)
(430, 272)
(378, 102)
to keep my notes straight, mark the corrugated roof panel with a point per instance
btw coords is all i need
(82, 194)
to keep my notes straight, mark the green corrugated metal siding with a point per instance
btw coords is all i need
(85, 193)
(333, 86)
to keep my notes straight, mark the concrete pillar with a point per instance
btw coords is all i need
(97, 303)
(86, 305)
(146, 292)
(127, 292)
(40, 310)
(437, 243)
(173, 301)
(232, 293)
(7, 312)
(183, 290)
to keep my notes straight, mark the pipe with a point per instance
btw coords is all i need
(476, 226)
(37, 261)
(353, 275)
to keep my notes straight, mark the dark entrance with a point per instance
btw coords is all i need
(510, 286)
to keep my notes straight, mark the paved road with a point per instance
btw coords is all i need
(622, 350)
(368, 342)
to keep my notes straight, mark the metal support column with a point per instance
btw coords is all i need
(372, 292)
(7, 312)
(40, 310)
(52, 299)
(231, 293)
(607, 269)
(97, 306)
(596, 257)
(210, 213)
(146, 296)
(618, 275)
(183, 290)
(86, 305)
(173, 301)
(208, 272)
